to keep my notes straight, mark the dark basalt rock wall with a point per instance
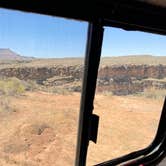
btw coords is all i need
(121, 80)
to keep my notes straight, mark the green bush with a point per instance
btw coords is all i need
(11, 87)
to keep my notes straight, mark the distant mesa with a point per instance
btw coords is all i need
(8, 54)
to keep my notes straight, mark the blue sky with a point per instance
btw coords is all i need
(49, 37)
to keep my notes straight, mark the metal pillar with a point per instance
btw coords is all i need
(92, 59)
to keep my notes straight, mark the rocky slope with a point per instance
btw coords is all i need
(8, 54)
(119, 79)
(128, 79)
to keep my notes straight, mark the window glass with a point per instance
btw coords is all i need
(131, 87)
(41, 68)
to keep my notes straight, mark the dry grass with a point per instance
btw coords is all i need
(153, 93)
(4, 104)
(8, 88)
(43, 129)
(105, 61)
(154, 79)
(137, 60)
(11, 87)
(44, 132)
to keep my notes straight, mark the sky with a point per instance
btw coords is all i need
(44, 36)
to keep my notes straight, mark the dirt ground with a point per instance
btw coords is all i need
(41, 128)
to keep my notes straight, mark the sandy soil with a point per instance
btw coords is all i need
(41, 128)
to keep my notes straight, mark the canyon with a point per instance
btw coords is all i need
(118, 79)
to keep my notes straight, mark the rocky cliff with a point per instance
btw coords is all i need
(128, 79)
(119, 79)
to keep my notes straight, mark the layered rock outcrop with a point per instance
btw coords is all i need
(128, 79)
(121, 80)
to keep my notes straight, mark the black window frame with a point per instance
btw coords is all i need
(126, 14)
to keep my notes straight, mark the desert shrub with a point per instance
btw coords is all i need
(11, 87)
(55, 90)
(106, 93)
(154, 93)
(4, 104)
(62, 91)
(31, 85)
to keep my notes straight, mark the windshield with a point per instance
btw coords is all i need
(41, 68)
(131, 88)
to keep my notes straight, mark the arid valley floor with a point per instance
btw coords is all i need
(41, 128)
(40, 101)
